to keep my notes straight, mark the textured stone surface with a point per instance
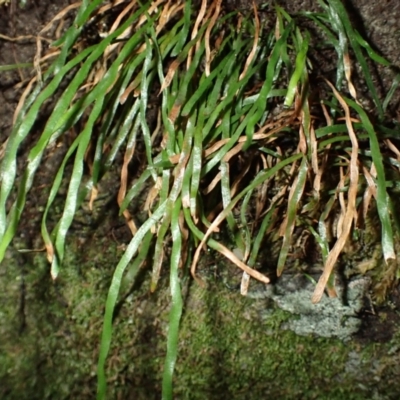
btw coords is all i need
(331, 317)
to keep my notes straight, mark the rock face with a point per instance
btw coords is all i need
(50, 331)
(331, 317)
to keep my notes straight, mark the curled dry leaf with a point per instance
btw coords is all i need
(255, 43)
(350, 212)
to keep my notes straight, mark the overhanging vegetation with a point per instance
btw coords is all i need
(235, 130)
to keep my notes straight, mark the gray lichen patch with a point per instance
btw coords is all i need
(331, 317)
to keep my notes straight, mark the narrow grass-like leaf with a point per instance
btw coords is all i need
(322, 242)
(188, 77)
(339, 8)
(74, 185)
(260, 236)
(284, 56)
(56, 121)
(52, 195)
(393, 88)
(104, 163)
(10, 67)
(301, 58)
(182, 57)
(159, 247)
(221, 249)
(371, 52)
(258, 180)
(321, 20)
(226, 196)
(183, 34)
(186, 198)
(226, 63)
(179, 173)
(322, 231)
(176, 303)
(113, 295)
(135, 189)
(382, 196)
(197, 160)
(75, 180)
(116, 141)
(348, 211)
(158, 257)
(244, 239)
(69, 38)
(340, 45)
(19, 133)
(295, 196)
(133, 267)
(326, 130)
(258, 108)
(144, 89)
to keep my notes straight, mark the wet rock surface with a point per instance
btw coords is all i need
(332, 317)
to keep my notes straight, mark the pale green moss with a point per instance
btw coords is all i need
(228, 348)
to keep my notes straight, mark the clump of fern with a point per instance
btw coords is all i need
(223, 86)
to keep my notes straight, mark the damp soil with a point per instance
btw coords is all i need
(19, 28)
(378, 21)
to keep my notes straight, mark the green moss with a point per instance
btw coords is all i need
(236, 354)
(229, 347)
